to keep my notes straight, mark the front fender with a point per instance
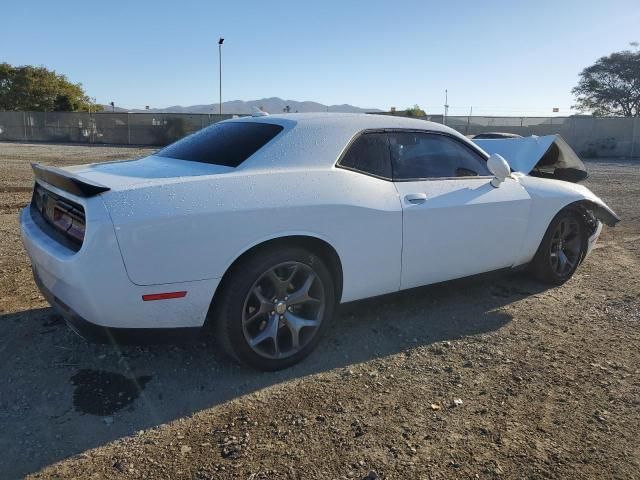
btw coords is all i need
(548, 198)
(601, 211)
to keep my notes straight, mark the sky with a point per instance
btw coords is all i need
(499, 57)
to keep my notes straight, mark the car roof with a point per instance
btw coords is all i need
(350, 121)
(311, 140)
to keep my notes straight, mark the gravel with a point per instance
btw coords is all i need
(480, 378)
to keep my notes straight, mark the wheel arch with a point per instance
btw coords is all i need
(600, 211)
(316, 245)
(545, 209)
(589, 213)
(540, 265)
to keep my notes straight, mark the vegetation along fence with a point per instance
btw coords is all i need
(589, 136)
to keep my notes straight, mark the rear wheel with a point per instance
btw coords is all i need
(563, 247)
(274, 308)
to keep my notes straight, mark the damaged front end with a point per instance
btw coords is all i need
(599, 211)
(546, 157)
(593, 226)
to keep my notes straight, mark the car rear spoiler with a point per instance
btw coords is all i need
(67, 181)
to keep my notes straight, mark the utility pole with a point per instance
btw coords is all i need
(446, 105)
(220, 42)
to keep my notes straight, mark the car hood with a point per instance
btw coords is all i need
(549, 156)
(122, 175)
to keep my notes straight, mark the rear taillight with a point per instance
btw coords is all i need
(69, 219)
(76, 231)
(61, 219)
(65, 216)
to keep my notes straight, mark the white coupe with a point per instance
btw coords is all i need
(258, 227)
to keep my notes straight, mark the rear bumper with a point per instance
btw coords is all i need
(99, 334)
(91, 287)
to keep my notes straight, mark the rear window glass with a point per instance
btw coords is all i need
(227, 144)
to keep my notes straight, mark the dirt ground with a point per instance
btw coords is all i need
(497, 377)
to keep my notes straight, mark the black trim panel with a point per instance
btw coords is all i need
(67, 181)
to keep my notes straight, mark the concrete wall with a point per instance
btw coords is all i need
(588, 136)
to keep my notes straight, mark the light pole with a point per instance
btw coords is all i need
(220, 42)
(446, 105)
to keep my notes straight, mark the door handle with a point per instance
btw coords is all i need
(415, 198)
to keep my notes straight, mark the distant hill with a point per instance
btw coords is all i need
(271, 105)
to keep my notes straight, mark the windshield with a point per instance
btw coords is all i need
(227, 144)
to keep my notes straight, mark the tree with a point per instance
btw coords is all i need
(39, 89)
(415, 111)
(611, 86)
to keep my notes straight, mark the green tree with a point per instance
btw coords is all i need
(611, 86)
(415, 111)
(39, 89)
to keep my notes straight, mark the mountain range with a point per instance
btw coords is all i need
(270, 105)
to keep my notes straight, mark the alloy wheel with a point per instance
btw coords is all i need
(283, 310)
(566, 246)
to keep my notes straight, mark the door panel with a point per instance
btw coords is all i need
(453, 228)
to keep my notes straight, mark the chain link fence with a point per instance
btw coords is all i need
(589, 136)
(105, 128)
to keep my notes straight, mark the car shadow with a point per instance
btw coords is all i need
(62, 395)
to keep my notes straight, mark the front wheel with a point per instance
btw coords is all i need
(563, 247)
(274, 308)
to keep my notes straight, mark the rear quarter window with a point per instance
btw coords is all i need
(369, 154)
(227, 144)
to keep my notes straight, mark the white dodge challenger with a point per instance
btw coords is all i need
(258, 227)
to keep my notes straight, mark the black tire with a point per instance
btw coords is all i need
(548, 264)
(232, 307)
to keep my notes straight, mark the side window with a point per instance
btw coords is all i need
(369, 154)
(429, 155)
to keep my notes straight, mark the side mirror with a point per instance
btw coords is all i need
(499, 167)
